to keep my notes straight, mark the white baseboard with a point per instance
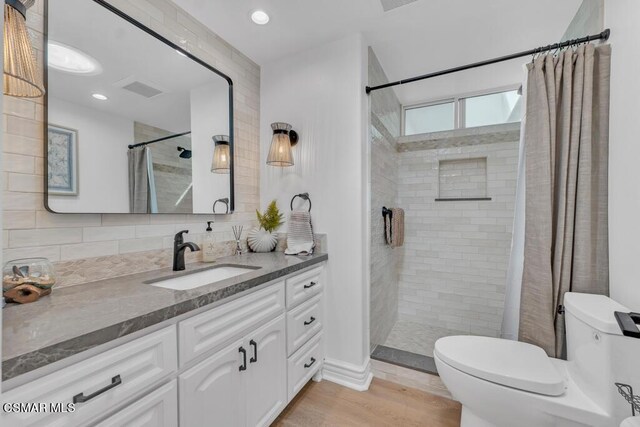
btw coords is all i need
(348, 375)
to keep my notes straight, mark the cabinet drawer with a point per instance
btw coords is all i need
(303, 286)
(157, 409)
(304, 364)
(213, 329)
(113, 378)
(303, 322)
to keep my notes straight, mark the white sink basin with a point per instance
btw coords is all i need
(201, 278)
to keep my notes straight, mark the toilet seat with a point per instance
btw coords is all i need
(510, 363)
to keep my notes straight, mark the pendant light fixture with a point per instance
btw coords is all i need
(283, 139)
(221, 162)
(22, 78)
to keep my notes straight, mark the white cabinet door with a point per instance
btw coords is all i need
(266, 388)
(212, 392)
(157, 409)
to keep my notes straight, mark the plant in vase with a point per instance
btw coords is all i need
(262, 238)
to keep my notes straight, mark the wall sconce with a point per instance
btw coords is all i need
(283, 139)
(21, 75)
(221, 162)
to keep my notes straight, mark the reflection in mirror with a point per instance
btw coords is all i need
(134, 124)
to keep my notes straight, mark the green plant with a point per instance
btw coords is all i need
(271, 219)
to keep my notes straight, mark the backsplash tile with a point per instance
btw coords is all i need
(92, 247)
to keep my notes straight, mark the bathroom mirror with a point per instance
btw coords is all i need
(135, 124)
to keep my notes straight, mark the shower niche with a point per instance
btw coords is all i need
(462, 179)
(134, 122)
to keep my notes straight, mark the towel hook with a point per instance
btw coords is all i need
(304, 196)
(386, 212)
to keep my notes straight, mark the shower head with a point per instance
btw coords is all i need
(184, 153)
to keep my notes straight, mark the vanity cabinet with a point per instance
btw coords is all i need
(241, 385)
(237, 364)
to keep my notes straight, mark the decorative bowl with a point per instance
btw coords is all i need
(260, 240)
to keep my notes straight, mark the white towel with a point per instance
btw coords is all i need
(300, 234)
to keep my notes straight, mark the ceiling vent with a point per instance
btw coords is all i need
(134, 85)
(388, 5)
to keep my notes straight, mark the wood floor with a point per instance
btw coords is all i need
(384, 404)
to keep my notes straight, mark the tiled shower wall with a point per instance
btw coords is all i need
(89, 247)
(456, 252)
(385, 128)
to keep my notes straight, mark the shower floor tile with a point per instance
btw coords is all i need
(416, 337)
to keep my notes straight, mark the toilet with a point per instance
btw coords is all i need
(503, 383)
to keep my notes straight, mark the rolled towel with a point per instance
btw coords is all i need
(300, 234)
(394, 228)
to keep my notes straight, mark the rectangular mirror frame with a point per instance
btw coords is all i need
(170, 44)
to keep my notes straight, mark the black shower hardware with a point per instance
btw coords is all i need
(602, 36)
(225, 201)
(164, 138)
(304, 196)
(628, 323)
(184, 153)
(387, 213)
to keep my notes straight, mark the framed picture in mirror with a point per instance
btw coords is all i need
(62, 158)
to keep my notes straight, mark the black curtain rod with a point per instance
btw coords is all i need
(164, 138)
(602, 36)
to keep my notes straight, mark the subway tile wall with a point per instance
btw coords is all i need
(90, 247)
(385, 128)
(453, 272)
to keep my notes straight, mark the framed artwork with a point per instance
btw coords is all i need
(62, 155)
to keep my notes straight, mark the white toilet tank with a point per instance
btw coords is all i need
(597, 352)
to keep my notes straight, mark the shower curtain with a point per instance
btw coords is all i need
(142, 193)
(511, 313)
(566, 154)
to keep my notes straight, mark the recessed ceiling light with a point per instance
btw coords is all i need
(260, 17)
(100, 96)
(71, 60)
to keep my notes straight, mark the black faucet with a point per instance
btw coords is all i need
(178, 250)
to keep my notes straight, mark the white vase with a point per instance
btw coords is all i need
(260, 240)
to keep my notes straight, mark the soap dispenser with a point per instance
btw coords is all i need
(208, 245)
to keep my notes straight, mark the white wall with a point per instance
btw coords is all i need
(320, 92)
(103, 177)
(622, 16)
(209, 117)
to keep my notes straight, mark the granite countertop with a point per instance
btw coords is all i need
(77, 318)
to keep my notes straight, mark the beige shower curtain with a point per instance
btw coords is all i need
(139, 200)
(566, 148)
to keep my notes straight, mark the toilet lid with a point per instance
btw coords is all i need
(510, 363)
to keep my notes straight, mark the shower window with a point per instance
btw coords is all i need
(429, 118)
(491, 109)
(478, 109)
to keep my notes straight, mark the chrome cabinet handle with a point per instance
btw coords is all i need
(310, 364)
(310, 285)
(310, 321)
(81, 398)
(243, 367)
(254, 344)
